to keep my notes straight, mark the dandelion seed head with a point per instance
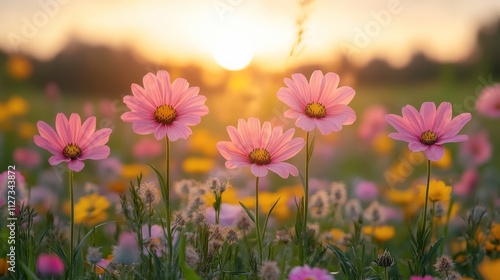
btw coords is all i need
(269, 271)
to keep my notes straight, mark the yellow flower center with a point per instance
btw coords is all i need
(428, 138)
(72, 151)
(259, 156)
(315, 110)
(165, 114)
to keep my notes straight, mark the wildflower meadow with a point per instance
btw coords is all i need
(305, 173)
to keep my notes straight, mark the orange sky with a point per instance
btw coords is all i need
(185, 31)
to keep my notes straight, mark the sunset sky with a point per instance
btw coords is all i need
(191, 31)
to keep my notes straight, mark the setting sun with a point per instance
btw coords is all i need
(232, 51)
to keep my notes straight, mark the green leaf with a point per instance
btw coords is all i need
(269, 214)
(161, 180)
(31, 275)
(346, 265)
(432, 250)
(250, 215)
(82, 242)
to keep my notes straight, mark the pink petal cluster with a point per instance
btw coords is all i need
(72, 141)
(488, 103)
(49, 265)
(426, 277)
(428, 129)
(467, 183)
(319, 103)
(306, 273)
(262, 148)
(27, 157)
(372, 122)
(477, 150)
(163, 108)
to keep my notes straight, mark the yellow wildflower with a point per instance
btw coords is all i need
(489, 268)
(401, 197)
(91, 209)
(381, 234)
(19, 67)
(382, 144)
(438, 191)
(495, 231)
(198, 165)
(4, 265)
(26, 130)
(204, 142)
(17, 106)
(117, 186)
(131, 171)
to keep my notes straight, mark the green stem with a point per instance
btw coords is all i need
(426, 195)
(72, 223)
(167, 198)
(306, 204)
(385, 273)
(257, 226)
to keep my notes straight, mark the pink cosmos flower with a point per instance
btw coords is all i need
(147, 148)
(164, 108)
(366, 190)
(318, 103)
(262, 148)
(49, 265)
(477, 150)
(428, 130)
(306, 273)
(426, 277)
(488, 102)
(467, 183)
(372, 122)
(73, 142)
(27, 157)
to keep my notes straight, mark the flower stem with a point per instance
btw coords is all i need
(72, 223)
(306, 203)
(167, 198)
(424, 223)
(257, 226)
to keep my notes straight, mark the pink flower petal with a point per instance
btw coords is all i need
(434, 152)
(343, 95)
(414, 118)
(56, 159)
(76, 165)
(428, 112)
(443, 116)
(258, 170)
(316, 85)
(306, 123)
(87, 129)
(96, 153)
(416, 146)
(283, 169)
(62, 128)
(50, 135)
(456, 124)
(402, 125)
(288, 150)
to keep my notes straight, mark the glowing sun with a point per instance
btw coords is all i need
(232, 51)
